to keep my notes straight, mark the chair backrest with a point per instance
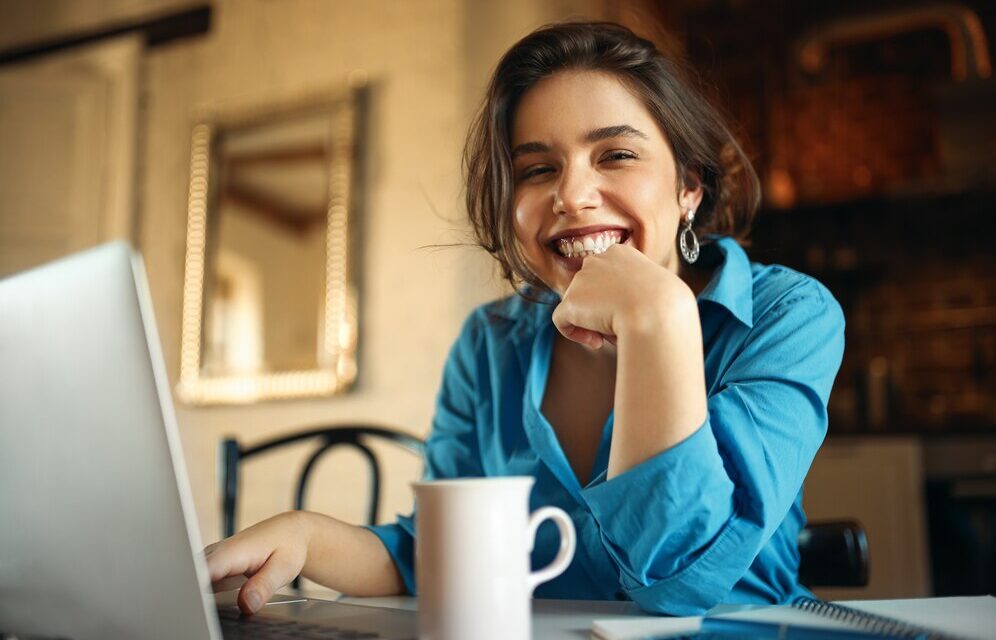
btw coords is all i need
(833, 554)
(327, 438)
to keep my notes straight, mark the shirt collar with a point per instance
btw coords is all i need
(732, 284)
(533, 308)
(731, 287)
(527, 316)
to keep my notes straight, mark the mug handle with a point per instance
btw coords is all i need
(568, 541)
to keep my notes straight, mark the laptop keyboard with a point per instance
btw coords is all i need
(234, 625)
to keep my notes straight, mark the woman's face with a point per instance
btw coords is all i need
(592, 168)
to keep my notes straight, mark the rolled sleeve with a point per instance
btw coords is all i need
(399, 540)
(689, 506)
(685, 526)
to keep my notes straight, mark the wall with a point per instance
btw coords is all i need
(426, 62)
(28, 23)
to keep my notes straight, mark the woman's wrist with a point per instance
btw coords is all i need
(302, 524)
(669, 310)
(346, 558)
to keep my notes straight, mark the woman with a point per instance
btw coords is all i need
(663, 390)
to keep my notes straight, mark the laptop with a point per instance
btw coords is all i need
(98, 536)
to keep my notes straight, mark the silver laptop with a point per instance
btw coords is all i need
(98, 537)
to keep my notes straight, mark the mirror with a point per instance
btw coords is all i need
(270, 295)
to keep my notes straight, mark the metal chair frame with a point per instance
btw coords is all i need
(232, 456)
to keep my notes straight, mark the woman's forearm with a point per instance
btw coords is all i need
(348, 558)
(660, 396)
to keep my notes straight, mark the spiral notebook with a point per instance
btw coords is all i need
(959, 618)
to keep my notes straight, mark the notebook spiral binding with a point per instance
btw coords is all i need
(870, 622)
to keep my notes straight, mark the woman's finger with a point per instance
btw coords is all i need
(234, 559)
(278, 570)
(230, 583)
(580, 316)
(586, 337)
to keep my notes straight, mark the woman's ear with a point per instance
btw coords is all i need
(690, 191)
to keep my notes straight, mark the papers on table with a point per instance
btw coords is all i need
(971, 617)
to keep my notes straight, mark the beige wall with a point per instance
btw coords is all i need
(427, 61)
(26, 23)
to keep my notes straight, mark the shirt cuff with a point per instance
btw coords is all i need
(705, 582)
(399, 541)
(661, 516)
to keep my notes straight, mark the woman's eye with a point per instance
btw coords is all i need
(614, 156)
(532, 172)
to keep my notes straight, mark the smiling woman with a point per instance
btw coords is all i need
(593, 176)
(656, 90)
(668, 396)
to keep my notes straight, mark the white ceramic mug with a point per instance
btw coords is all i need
(473, 540)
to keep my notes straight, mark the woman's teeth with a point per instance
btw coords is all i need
(592, 243)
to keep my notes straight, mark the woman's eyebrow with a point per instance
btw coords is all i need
(603, 133)
(529, 147)
(615, 131)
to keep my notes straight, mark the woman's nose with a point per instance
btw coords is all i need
(577, 190)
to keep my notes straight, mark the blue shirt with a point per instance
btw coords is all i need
(714, 519)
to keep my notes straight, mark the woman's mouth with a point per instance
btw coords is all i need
(588, 244)
(572, 250)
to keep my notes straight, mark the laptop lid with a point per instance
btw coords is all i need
(98, 536)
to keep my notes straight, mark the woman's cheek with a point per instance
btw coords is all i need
(525, 209)
(520, 223)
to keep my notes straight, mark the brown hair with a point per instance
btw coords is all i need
(702, 145)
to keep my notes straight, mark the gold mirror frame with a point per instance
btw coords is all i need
(337, 355)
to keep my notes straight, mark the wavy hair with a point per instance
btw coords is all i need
(703, 147)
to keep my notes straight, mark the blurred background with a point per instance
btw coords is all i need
(308, 153)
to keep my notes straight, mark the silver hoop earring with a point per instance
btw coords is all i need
(687, 241)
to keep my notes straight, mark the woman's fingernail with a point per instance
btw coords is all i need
(253, 600)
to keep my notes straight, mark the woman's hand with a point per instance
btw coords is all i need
(262, 558)
(652, 316)
(622, 290)
(267, 556)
